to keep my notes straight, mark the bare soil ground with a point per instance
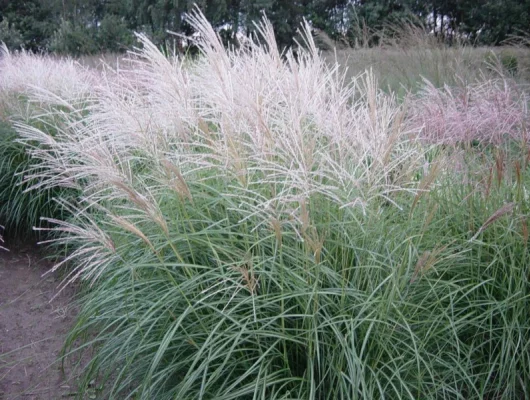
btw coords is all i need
(32, 329)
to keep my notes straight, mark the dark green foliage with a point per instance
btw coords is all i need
(10, 35)
(34, 20)
(73, 39)
(113, 34)
(492, 21)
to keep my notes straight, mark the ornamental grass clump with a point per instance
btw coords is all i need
(39, 92)
(25, 73)
(252, 225)
(488, 111)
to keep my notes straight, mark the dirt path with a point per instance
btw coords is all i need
(32, 330)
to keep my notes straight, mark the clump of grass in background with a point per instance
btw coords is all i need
(32, 89)
(255, 225)
(24, 73)
(490, 111)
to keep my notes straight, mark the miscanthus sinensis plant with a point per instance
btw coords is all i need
(252, 225)
(35, 90)
(25, 73)
(485, 111)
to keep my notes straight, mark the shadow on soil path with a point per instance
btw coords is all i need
(32, 329)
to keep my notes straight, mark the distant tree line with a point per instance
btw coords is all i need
(92, 26)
